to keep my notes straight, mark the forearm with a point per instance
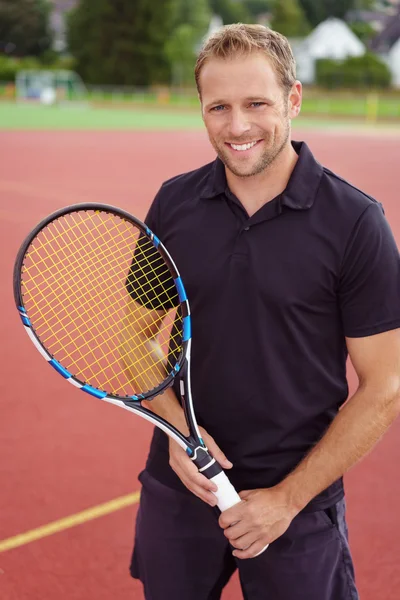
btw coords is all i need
(352, 434)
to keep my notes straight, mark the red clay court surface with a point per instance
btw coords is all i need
(61, 452)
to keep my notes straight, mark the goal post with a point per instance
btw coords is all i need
(49, 87)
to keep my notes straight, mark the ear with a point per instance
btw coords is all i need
(295, 99)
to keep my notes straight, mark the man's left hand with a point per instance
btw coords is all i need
(261, 517)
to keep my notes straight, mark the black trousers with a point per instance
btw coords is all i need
(180, 553)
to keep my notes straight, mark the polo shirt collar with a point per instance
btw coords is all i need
(300, 191)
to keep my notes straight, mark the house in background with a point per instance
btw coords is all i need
(394, 63)
(389, 35)
(387, 45)
(376, 19)
(331, 39)
(377, 16)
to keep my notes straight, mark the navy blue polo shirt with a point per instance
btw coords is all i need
(272, 298)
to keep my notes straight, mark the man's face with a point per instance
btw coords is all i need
(246, 112)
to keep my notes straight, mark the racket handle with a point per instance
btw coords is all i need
(226, 494)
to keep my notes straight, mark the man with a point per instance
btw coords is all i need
(287, 268)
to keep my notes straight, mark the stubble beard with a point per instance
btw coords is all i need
(267, 158)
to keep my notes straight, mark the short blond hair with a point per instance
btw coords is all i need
(240, 39)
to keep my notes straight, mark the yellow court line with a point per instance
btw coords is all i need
(77, 519)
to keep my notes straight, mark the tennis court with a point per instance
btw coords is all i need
(63, 454)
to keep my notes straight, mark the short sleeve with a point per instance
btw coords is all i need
(369, 288)
(152, 219)
(149, 281)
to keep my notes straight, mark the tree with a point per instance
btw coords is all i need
(316, 12)
(362, 72)
(190, 23)
(363, 30)
(230, 11)
(181, 54)
(288, 18)
(258, 7)
(120, 42)
(196, 14)
(24, 27)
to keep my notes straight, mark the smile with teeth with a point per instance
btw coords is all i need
(243, 147)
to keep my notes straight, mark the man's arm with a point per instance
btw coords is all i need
(266, 514)
(361, 422)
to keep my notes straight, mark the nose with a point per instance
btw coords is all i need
(239, 123)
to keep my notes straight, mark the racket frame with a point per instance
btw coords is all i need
(193, 443)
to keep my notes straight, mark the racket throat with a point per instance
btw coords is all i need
(206, 464)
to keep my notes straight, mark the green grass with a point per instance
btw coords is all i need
(17, 116)
(346, 105)
(383, 105)
(317, 103)
(37, 117)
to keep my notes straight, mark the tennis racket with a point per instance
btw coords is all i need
(103, 302)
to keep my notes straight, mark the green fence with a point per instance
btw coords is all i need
(372, 106)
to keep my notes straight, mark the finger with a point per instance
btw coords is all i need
(204, 482)
(236, 531)
(232, 515)
(252, 551)
(245, 494)
(207, 497)
(217, 453)
(197, 481)
(245, 541)
(189, 472)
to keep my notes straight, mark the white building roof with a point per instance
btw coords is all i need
(334, 39)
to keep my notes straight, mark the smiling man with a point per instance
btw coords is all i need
(288, 269)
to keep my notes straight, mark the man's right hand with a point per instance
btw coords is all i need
(188, 473)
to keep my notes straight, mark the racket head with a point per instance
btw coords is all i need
(74, 276)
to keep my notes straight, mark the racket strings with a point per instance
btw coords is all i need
(65, 273)
(75, 279)
(43, 297)
(150, 366)
(140, 297)
(73, 267)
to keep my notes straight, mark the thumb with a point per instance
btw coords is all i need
(218, 454)
(245, 494)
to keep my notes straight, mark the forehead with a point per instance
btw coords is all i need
(244, 75)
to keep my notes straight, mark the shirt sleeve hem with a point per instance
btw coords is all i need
(367, 331)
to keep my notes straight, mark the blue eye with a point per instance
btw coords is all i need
(257, 104)
(217, 108)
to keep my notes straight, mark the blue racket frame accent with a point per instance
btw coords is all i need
(93, 391)
(187, 328)
(59, 368)
(181, 289)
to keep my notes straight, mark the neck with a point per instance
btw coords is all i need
(256, 190)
